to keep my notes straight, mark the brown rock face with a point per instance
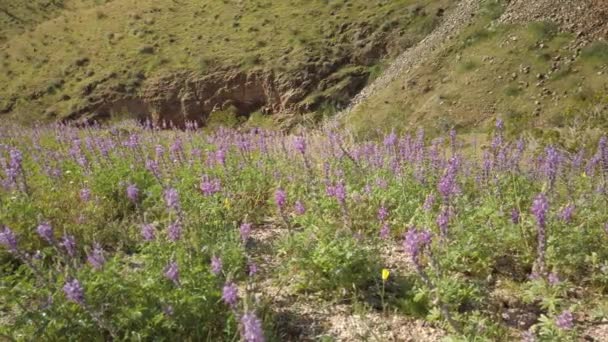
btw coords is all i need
(181, 97)
(187, 97)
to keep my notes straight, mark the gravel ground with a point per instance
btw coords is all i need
(588, 19)
(302, 317)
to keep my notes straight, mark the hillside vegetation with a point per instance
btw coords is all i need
(184, 59)
(304, 170)
(542, 77)
(17, 17)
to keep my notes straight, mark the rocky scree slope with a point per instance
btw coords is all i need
(179, 61)
(540, 65)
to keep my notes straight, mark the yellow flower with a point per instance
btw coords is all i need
(584, 174)
(227, 203)
(385, 274)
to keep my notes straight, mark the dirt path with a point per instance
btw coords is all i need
(456, 19)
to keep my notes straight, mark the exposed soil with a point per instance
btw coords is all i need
(188, 96)
(306, 317)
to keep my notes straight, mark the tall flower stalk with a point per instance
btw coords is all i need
(540, 207)
(280, 198)
(416, 242)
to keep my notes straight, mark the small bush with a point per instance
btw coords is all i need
(596, 51)
(330, 261)
(543, 30)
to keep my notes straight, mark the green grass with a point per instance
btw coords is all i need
(17, 17)
(596, 51)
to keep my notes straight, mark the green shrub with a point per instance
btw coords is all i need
(330, 262)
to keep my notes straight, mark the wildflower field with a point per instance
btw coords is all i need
(135, 233)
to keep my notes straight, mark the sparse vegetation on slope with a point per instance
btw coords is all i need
(17, 17)
(533, 74)
(173, 58)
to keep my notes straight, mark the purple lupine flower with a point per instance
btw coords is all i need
(299, 207)
(381, 183)
(497, 141)
(577, 159)
(251, 328)
(252, 269)
(382, 214)
(540, 206)
(367, 189)
(515, 216)
(46, 232)
(174, 231)
(339, 192)
(245, 230)
(385, 230)
(14, 167)
(210, 186)
(500, 124)
(602, 153)
(148, 232)
(415, 242)
(391, 139)
(216, 265)
(565, 320)
(74, 291)
(606, 227)
(528, 336)
(442, 221)
(551, 165)
(196, 154)
(132, 193)
(171, 272)
(243, 144)
(172, 198)
(299, 143)
(69, 244)
(152, 166)
(220, 157)
(230, 294)
(434, 154)
(96, 257)
(280, 198)
(447, 186)
(487, 164)
(553, 278)
(16, 159)
(85, 195)
(132, 141)
(566, 213)
(8, 240)
(429, 201)
(176, 148)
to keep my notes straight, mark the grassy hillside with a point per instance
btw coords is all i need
(85, 51)
(19, 16)
(530, 75)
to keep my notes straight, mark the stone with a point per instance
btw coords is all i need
(146, 49)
